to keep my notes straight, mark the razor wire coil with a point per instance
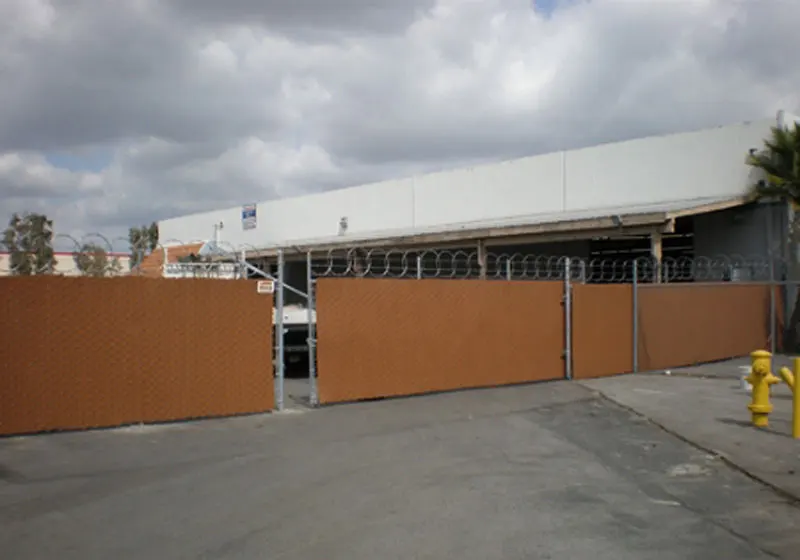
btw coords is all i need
(180, 258)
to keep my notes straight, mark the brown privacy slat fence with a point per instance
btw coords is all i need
(680, 325)
(602, 330)
(383, 337)
(391, 337)
(100, 352)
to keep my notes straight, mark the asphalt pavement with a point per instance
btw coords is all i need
(552, 470)
(707, 405)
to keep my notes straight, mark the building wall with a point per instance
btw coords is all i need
(706, 163)
(750, 232)
(65, 264)
(490, 192)
(386, 206)
(578, 248)
(785, 118)
(664, 168)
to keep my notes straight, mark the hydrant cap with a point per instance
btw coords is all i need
(760, 354)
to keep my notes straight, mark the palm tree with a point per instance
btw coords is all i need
(779, 162)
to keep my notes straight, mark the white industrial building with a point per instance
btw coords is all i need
(636, 194)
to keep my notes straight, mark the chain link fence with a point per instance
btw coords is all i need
(295, 271)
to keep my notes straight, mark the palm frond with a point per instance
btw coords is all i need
(779, 161)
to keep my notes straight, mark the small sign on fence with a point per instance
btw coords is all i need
(265, 287)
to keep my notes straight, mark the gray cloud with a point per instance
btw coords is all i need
(101, 72)
(206, 104)
(310, 20)
(633, 70)
(30, 176)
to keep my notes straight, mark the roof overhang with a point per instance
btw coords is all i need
(616, 223)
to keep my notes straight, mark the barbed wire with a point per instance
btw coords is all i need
(381, 263)
(95, 254)
(175, 258)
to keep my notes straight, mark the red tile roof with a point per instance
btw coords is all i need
(153, 264)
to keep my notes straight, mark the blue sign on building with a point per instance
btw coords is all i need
(249, 217)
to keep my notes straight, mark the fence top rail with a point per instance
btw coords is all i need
(706, 284)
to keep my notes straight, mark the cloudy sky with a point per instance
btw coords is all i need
(114, 113)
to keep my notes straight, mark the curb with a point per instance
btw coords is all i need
(791, 497)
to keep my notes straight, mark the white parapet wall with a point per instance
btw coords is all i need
(66, 265)
(692, 165)
(785, 119)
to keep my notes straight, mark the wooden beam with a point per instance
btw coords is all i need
(299, 254)
(481, 247)
(712, 207)
(576, 236)
(656, 246)
(543, 232)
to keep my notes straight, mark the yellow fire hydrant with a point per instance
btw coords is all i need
(761, 379)
(791, 380)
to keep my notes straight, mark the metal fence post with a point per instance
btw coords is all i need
(772, 318)
(635, 317)
(279, 333)
(567, 321)
(312, 334)
(508, 269)
(419, 267)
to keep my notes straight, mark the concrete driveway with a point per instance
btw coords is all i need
(543, 471)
